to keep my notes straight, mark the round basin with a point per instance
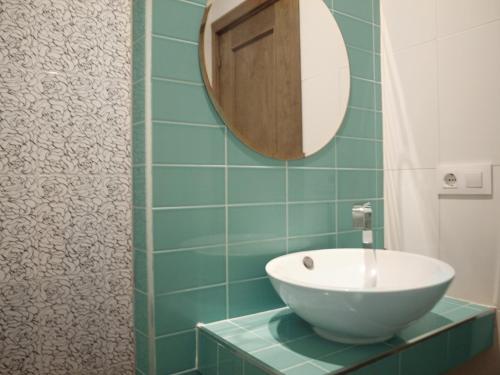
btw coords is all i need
(350, 296)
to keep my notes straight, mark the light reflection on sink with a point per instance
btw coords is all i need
(336, 299)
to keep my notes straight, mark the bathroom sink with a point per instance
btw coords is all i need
(349, 297)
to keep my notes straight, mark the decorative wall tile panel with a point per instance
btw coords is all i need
(65, 187)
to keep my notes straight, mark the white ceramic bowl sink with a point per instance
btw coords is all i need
(338, 298)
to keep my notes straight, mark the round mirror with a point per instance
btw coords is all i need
(277, 72)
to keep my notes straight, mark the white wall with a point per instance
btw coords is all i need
(441, 104)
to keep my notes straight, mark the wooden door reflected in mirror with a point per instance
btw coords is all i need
(277, 71)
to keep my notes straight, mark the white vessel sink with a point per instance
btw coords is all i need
(338, 296)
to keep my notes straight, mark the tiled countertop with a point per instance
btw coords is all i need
(279, 342)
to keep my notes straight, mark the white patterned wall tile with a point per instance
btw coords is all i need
(90, 37)
(18, 255)
(18, 131)
(120, 337)
(19, 326)
(72, 329)
(123, 369)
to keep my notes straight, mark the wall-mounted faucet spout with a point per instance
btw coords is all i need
(362, 219)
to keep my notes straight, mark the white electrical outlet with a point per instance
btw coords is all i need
(464, 179)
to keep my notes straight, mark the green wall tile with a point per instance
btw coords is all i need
(380, 183)
(229, 363)
(358, 123)
(176, 101)
(378, 240)
(139, 186)
(182, 144)
(138, 19)
(355, 153)
(279, 357)
(141, 311)
(140, 271)
(255, 223)
(323, 158)
(183, 228)
(378, 96)
(181, 311)
(315, 347)
(386, 366)
(311, 185)
(177, 19)
(350, 357)
(428, 357)
(138, 102)
(239, 154)
(470, 339)
(379, 155)
(378, 71)
(376, 12)
(349, 240)
(361, 63)
(139, 221)
(250, 369)
(141, 352)
(357, 184)
(312, 243)
(378, 125)
(138, 144)
(356, 33)
(362, 94)
(247, 261)
(358, 8)
(138, 58)
(188, 186)
(207, 354)
(175, 59)
(189, 269)
(249, 297)
(175, 353)
(305, 369)
(247, 341)
(311, 218)
(256, 185)
(376, 38)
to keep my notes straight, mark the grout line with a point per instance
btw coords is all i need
(359, 78)
(192, 3)
(187, 290)
(179, 81)
(287, 229)
(249, 280)
(186, 372)
(354, 17)
(149, 182)
(226, 217)
(269, 167)
(184, 331)
(167, 122)
(261, 204)
(179, 40)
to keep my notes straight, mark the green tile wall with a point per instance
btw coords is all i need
(281, 343)
(209, 212)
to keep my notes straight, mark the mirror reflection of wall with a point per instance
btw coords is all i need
(278, 71)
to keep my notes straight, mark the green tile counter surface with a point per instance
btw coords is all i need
(278, 342)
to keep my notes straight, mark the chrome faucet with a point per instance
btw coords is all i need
(362, 219)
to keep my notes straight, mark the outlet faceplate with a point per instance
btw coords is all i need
(464, 179)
